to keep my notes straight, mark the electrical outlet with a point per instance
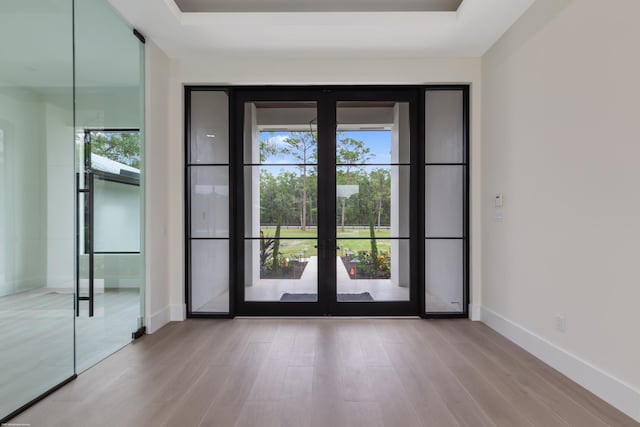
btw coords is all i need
(561, 324)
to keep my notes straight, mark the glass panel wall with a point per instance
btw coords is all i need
(36, 199)
(208, 218)
(446, 171)
(71, 193)
(109, 120)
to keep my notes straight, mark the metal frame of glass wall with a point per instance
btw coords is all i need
(422, 230)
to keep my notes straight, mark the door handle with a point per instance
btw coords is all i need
(323, 246)
(91, 207)
(88, 207)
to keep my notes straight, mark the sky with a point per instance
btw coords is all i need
(378, 142)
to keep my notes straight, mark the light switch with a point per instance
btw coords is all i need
(498, 200)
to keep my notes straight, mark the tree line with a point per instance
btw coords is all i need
(290, 197)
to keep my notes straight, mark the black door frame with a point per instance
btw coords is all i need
(239, 98)
(380, 308)
(326, 98)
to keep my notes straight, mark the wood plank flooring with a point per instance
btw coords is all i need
(323, 373)
(37, 331)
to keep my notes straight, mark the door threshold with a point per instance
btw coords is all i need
(328, 317)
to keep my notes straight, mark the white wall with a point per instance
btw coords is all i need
(23, 204)
(36, 207)
(116, 212)
(157, 185)
(60, 189)
(244, 71)
(560, 141)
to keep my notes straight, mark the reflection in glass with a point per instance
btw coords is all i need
(283, 270)
(118, 278)
(109, 120)
(116, 216)
(209, 127)
(122, 147)
(372, 196)
(444, 123)
(444, 267)
(374, 269)
(444, 201)
(36, 200)
(209, 201)
(210, 276)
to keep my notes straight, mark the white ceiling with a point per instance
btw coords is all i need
(467, 32)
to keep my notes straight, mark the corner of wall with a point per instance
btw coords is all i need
(158, 319)
(157, 203)
(175, 187)
(475, 192)
(178, 312)
(475, 312)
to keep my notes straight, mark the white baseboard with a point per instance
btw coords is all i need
(609, 388)
(178, 312)
(171, 313)
(158, 319)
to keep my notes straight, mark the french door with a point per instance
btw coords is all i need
(327, 200)
(328, 190)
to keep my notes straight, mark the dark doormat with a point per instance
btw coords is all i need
(299, 297)
(364, 296)
(287, 297)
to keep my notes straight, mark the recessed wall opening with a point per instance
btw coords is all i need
(209, 6)
(327, 201)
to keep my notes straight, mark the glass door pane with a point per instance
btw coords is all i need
(281, 201)
(446, 202)
(372, 201)
(36, 200)
(326, 203)
(109, 118)
(110, 266)
(208, 233)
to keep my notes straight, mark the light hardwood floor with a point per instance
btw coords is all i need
(38, 338)
(325, 373)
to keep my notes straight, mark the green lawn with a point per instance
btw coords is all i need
(305, 248)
